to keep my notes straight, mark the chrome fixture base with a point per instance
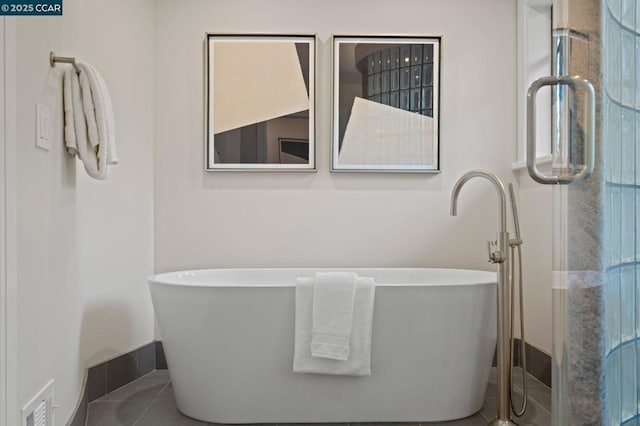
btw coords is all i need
(498, 422)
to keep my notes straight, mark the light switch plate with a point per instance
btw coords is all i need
(43, 124)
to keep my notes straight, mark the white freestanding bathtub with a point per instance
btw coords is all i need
(228, 340)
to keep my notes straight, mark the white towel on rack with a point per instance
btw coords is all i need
(89, 120)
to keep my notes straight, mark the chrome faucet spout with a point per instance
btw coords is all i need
(502, 198)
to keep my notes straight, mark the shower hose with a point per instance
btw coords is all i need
(518, 412)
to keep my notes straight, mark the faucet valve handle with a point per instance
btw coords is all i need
(495, 255)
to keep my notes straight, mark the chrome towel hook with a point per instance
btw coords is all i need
(53, 60)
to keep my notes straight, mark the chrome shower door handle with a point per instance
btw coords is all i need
(585, 170)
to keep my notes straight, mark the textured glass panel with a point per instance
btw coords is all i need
(613, 49)
(637, 146)
(370, 65)
(385, 59)
(384, 82)
(638, 300)
(629, 378)
(427, 112)
(638, 373)
(427, 53)
(638, 231)
(415, 99)
(637, 73)
(404, 99)
(393, 99)
(405, 56)
(608, 54)
(627, 304)
(613, 143)
(416, 54)
(607, 232)
(629, 13)
(614, 5)
(628, 143)
(405, 78)
(614, 225)
(394, 57)
(427, 75)
(377, 62)
(612, 308)
(627, 236)
(608, 130)
(394, 77)
(416, 76)
(376, 98)
(369, 86)
(608, 203)
(427, 98)
(628, 67)
(612, 390)
(384, 99)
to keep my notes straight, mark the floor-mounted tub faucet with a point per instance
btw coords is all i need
(499, 254)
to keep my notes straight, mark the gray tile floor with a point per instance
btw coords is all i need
(149, 401)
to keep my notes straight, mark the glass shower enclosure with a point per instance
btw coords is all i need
(596, 223)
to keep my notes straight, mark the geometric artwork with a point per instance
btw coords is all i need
(260, 90)
(386, 93)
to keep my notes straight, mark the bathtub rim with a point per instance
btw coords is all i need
(171, 278)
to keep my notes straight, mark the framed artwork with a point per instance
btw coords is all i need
(386, 104)
(260, 90)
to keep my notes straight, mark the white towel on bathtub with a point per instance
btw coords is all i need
(359, 360)
(333, 294)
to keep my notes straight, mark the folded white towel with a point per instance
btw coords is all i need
(333, 294)
(359, 362)
(89, 119)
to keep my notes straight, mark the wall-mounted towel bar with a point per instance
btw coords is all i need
(53, 60)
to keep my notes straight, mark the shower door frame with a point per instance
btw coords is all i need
(9, 414)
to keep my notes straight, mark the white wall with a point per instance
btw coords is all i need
(84, 247)
(8, 223)
(322, 219)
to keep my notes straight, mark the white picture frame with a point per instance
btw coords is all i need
(259, 88)
(386, 104)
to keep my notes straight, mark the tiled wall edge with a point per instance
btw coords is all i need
(538, 362)
(79, 417)
(112, 374)
(161, 362)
